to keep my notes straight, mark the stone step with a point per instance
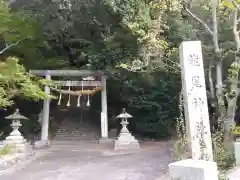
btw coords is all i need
(76, 133)
(76, 130)
(76, 127)
(69, 130)
(76, 137)
(79, 135)
(71, 133)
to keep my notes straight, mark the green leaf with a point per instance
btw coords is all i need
(229, 3)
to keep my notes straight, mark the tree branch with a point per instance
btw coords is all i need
(236, 5)
(215, 26)
(210, 79)
(197, 19)
(9, 46)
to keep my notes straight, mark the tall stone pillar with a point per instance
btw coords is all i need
(201, 166)
(46, 107)
(195, 100)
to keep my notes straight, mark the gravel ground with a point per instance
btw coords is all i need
(79, 161)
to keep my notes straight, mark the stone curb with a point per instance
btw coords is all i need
(10, 160)
(127, 151)
(41, 144)
(11, 163)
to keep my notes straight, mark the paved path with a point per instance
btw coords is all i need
(93, 162)
(234, 174)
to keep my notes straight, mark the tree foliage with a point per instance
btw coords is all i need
(15, 28)
(134, 41)
(14, 79)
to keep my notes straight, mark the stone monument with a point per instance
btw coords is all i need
(195, 100)
(125, 140)
(15, 139)
(201, 166)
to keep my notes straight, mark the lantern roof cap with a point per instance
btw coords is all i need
(124, 114)
(16, 116)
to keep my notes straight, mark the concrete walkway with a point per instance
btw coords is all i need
(91, 161)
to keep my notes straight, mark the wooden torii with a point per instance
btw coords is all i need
(74, 73)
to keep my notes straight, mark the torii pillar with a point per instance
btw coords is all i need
(44, 119)
(46, 108)
(104, 114)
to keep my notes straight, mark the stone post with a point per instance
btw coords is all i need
(195, 100)
(201, 166)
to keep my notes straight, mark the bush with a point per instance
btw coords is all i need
(223, 158)
(5, 150)
(150, 98)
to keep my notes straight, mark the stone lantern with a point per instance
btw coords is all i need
(125, 140)
(40, 117)
(15, 139)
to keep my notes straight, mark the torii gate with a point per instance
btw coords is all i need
(74, 73)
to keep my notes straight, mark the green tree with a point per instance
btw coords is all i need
(127, 39)
(225, 46)
(14, 79)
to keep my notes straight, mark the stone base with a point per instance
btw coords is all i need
(41, 144)
(234, 174)
(106, 141)
(193, 170)
(17, 144)
(126, 141)
(237, 152)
